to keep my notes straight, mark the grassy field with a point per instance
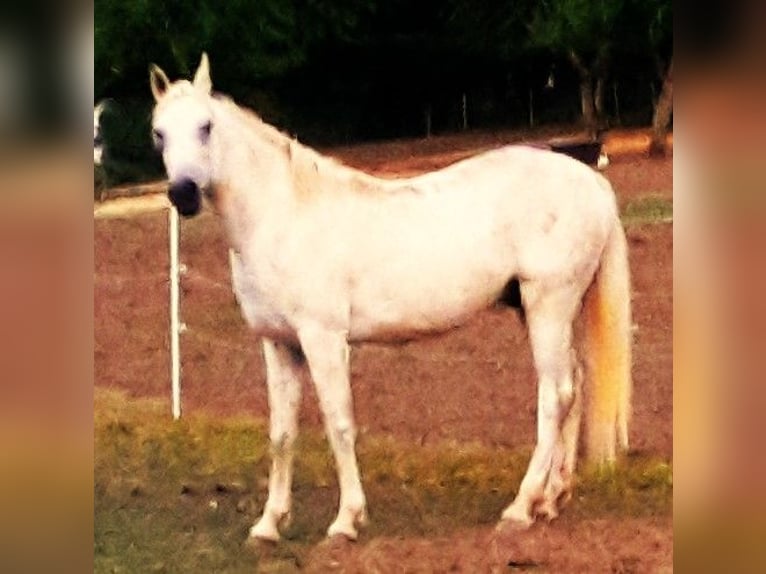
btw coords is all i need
(179, 496)
(648, 209)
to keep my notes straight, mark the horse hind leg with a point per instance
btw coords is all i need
(284, 367)
(571, 428)
(549, 316)
(558, 487)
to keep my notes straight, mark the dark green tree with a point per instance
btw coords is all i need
(352, 69)
(660, 36)
(591, 35)
(248, 40)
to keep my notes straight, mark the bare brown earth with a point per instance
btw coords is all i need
(475, 383)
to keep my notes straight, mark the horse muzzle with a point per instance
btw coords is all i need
(185, 195)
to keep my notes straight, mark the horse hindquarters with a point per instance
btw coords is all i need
(551, 309)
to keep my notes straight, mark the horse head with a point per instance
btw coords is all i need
(182, 129)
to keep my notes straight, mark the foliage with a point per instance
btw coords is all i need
(660, 34)
(598, 28)
(596, 36)
(259, 39)
(584, 26)
(495, 28)
(651, 208)
(342, 71)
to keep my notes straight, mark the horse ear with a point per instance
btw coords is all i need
(158, 81)
(202, 76)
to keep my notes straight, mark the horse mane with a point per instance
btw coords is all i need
(313, 173)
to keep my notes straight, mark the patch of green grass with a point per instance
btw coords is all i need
(179, 496)
(651, 208)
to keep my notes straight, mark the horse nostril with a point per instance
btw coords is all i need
(185, 196)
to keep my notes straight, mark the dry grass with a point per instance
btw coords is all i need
(179, 496)
(648, 209)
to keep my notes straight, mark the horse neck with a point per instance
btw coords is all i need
(251, 176)
(265, 175)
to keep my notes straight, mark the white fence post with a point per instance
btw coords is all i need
(175, 324)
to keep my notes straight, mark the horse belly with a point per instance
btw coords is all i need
(265, 322)
(400, 310)
(433, 268)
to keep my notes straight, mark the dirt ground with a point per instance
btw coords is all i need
(475, 383)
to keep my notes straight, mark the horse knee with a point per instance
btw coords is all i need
(281, 443)
(566, 392)
(342, 433)
(556, 401)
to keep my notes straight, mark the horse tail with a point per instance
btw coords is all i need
(608, 339)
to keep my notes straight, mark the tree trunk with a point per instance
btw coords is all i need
(662, 114)
(464, 109)
(600, 72)
(599, 101)
(587, 99)
(588, 108)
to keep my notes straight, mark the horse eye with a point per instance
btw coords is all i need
(159, 139)
(204, 131)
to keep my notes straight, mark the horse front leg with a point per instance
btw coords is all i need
(284, 366)
(327, 354)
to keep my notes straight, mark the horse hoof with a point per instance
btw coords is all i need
(513, 525)
(547, 510)
(512, 519)
(347, 522)
(339, 531)
(565, 497)
(264, 532)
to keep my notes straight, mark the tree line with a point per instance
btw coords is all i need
(348, 70)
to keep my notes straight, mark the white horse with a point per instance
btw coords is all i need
(98, 139)
(325, 255)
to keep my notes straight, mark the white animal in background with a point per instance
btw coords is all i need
(98, 140)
